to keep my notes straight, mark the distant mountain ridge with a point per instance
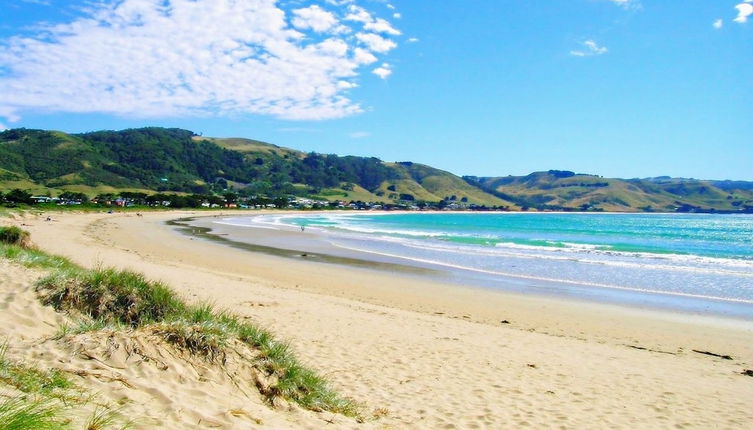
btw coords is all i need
(564, 190)
(161, 159)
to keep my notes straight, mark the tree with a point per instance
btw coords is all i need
(230, 198)
(281, 202)
(19, 196)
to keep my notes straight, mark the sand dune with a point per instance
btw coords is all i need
(416, 355)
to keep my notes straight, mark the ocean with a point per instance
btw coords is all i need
(690, 262)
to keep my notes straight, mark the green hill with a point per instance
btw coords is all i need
(173, 160)
(159, 159)
(563, 190)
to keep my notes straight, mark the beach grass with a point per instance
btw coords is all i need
(104, 418)
(47, 397)
(111, 299)
(27, 379)
(15, 236)
(15, 244)
(110, 296)
(24, 413)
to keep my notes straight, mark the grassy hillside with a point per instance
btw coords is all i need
(250, 146)
(430, 184)
(150, 160)
(159, 159)
(566, 190)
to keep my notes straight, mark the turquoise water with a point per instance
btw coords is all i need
(640, 258)
(719, 236)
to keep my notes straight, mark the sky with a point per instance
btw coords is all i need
(618, 88)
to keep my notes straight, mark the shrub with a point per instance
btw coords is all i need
(15, 236)
(110, 295)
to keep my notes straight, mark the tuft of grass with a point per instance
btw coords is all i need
(27, 379)
(31, 257)
(103, 418)
(206, 339)
(23, 413)
(110, 295)
(15, 236)
(87, 325)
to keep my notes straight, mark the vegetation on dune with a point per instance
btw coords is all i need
(47, 399)
(113, 298)
(110, 295)
(15, 244)
(110, 299)
(30, 380)
(24, 413)
(15, 236)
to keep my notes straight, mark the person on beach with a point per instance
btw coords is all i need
(303, 227)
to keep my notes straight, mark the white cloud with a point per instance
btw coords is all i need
(314, 18)
(362, 56)
(383, 71)
(358, 14)
(590, 48)
(360, 135)
(744, 10)
(376, 42)
(413, 40)
(718, 24)
(162, 58)
(380, 25)
(397, 15)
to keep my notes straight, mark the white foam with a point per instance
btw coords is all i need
(547, 279)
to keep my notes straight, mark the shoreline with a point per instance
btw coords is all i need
(156, 238)
(436, 355)
(286, 241)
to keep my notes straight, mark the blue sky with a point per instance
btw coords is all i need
(619, 88)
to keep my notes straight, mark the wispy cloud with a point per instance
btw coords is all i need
(718, 24)
(589, 48)
(360, 135)
(159, 58)
(744, 10)
(383, 71)
(627, 4)
(3, 127)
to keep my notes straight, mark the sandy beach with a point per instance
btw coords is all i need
(417, 354)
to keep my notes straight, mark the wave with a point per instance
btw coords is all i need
(595, 256)
(548, 279)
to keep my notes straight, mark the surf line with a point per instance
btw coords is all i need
(542, 278)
